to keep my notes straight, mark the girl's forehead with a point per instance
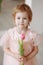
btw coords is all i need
(21, 14)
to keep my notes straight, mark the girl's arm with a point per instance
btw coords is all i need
(14, 55)
(33, 53)
(8, 51)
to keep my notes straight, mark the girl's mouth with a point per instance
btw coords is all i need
(21, 24)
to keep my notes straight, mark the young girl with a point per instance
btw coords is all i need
(22, 15)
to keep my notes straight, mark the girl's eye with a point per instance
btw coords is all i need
(25, 18)
(18, 18)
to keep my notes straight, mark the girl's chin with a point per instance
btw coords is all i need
(21, 27)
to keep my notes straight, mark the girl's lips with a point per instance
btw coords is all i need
(21, 24)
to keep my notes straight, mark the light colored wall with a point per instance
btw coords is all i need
(37, 22)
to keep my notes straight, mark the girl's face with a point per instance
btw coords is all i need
(21, 19)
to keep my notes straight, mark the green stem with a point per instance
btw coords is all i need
(21, 50)
(21, 63)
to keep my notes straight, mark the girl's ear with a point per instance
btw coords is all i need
(29, 23)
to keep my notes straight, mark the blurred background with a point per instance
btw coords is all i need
(6, 21)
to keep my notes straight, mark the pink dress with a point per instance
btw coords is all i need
(10, 39)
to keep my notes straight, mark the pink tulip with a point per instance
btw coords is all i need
(22, 36)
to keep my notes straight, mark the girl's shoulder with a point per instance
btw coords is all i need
(35, 36)
(32, 33)
(10, 32)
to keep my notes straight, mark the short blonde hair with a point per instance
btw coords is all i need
(23, 8)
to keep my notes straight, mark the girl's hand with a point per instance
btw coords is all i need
(24, 58)
(19, 58)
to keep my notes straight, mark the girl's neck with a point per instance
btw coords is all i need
(20, 31)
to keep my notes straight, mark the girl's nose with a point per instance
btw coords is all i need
(21, 20)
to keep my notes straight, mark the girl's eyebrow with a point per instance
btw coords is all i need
(18, 17)
(25, 18)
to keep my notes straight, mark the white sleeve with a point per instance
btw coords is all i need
(4, 41)
(36, 39)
